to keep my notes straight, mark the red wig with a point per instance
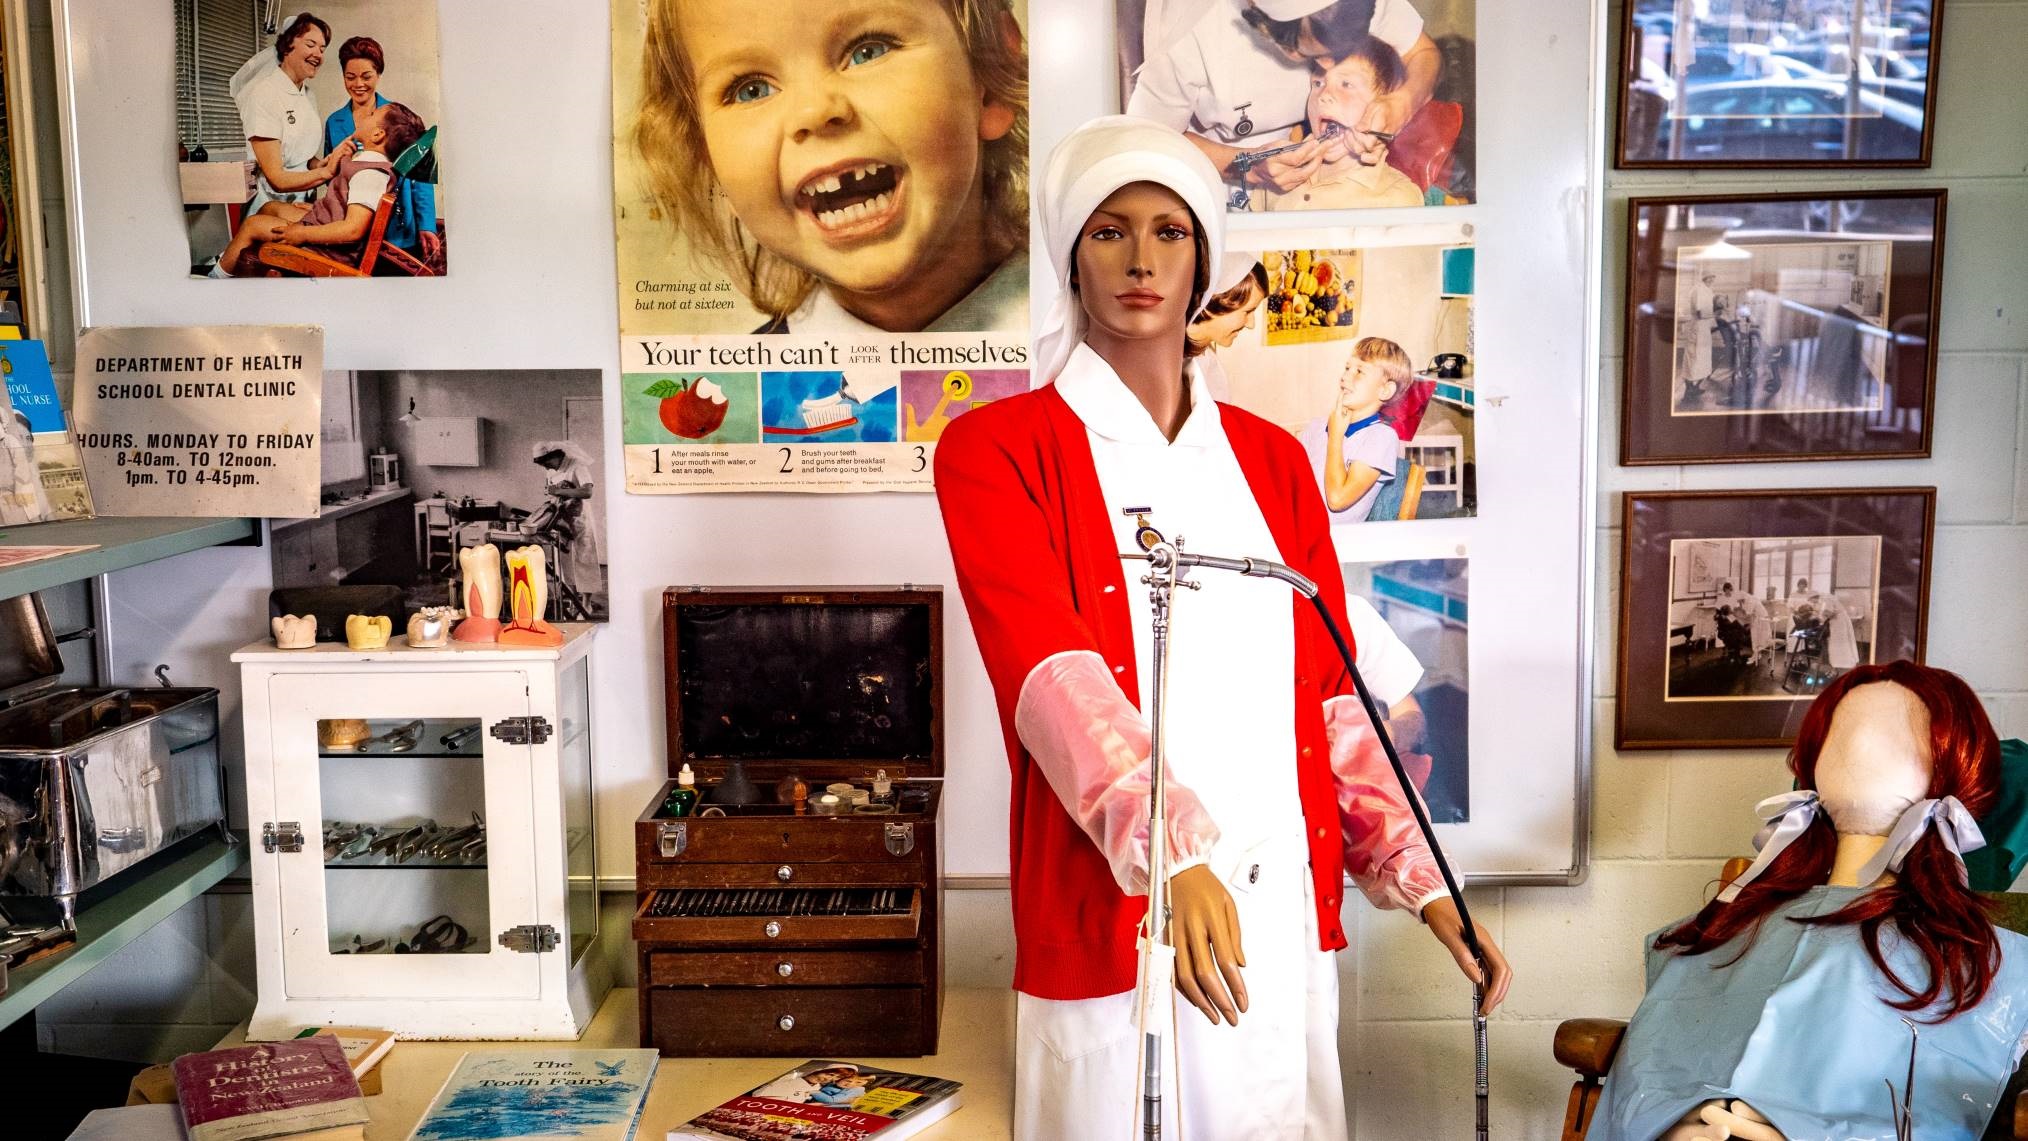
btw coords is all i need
(1932, 909)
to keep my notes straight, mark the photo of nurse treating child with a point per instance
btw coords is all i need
(272, 185)
(841, 166)
(1366, 355)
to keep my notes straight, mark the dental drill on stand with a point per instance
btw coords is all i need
(1168, 564)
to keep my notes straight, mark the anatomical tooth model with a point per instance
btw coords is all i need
(294, 633)
(430, 627)
(527, 595)
(481, 566)
(367, 631)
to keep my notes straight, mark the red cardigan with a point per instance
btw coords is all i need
(1034, 549)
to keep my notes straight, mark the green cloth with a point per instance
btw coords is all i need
(1996, 866)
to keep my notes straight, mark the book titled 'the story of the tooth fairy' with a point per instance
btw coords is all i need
(587, 1095)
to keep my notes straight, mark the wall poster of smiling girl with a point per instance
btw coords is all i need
(836, 193)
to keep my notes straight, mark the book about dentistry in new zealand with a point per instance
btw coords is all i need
(591, 1095)
(809, 316)
(823, 1100)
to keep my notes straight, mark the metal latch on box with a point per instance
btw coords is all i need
(530, 938)
(671, 838)
(522, 730)
(284, 837)
(900, 839)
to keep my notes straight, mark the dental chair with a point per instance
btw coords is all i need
(1423, 149)
(1587, 1045)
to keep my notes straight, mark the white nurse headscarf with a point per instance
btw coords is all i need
(1086, 167)
(1291, 9)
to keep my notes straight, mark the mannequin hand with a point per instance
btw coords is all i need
(1204, 926)
(1738, 1119)
(1442, 917)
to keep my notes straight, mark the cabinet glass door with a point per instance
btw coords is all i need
(416, 820)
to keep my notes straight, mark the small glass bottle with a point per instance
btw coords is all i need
(683, 797)
(793, 789)
(883, 789)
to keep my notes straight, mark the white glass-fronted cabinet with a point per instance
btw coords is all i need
(423, 857)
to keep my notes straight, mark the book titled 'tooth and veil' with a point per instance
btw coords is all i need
(510, 1095)
(828, 1101)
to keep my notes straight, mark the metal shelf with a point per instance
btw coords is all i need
(121, 543)
(120, 918)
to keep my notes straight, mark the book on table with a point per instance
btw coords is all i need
(823, 1100)
(302, 1090)
(364, 1048)
(512, 1095)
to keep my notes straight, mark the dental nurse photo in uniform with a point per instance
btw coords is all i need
(1213, 71)
(1278, 785)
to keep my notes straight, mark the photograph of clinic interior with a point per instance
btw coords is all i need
(419, 465)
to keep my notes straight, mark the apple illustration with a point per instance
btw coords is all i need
(691, 409)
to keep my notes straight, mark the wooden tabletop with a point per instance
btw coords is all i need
(978, 1050)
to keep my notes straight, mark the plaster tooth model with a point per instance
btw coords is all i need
(527, 596)
(293, 632)
(430, 627)
(481, 567)
(367, 631)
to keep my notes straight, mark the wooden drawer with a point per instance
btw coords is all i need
(776, 838)
(786, 967)
(786, 873)
(771, 929)
(802, 1022)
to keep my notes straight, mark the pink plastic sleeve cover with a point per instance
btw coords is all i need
(1384, 850)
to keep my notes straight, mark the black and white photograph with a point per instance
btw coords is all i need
(1411, 622)
(1769, 618)
(419, 465)
(1777, 82)
(1781, 327)
(307, 140)
(1342, 105)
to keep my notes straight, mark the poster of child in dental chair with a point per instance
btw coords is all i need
(822, 236)
(307, 138)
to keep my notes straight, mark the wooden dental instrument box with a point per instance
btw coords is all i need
(767, 928)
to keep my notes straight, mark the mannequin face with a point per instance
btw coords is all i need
(1136, 264)
(1876, 760)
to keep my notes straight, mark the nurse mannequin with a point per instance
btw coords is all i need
(1891, 764)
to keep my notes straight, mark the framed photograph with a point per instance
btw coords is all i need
(1358, 105)
(1777, 83)
(1738, 607)
(1781, 327)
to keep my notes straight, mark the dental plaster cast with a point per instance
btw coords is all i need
(430, 627)
(527, 595)
(293, 632)
(1786, 996)
(368, 631)
(342, 732)
(481, 567)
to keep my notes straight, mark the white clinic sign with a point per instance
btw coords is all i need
(210, 421)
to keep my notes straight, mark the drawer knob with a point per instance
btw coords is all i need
(785, 969)
(773, 930)
(784, 873)
(786, 1022)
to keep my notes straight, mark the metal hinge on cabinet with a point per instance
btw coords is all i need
(284, 837)
(522, 730)
(900, 839)
(530, 938)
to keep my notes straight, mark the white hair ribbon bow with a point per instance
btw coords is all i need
(1788, 816)
(1953, 823)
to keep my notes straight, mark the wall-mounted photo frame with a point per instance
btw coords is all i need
(1777, 83)
(1781, 327)
(1738, 607)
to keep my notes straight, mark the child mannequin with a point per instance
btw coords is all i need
(1786, 996)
